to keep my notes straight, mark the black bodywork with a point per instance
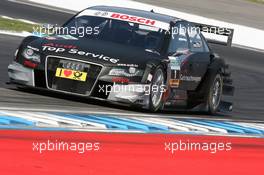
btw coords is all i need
(97, 57)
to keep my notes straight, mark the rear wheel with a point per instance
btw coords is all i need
(157, 90)
(215, 93)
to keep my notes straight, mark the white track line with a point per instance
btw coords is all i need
(21, 20)
(12, 33)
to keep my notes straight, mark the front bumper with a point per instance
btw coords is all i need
(134, 94)
(21, 75)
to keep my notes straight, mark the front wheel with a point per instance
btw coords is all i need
(157, 90)
(215, 94)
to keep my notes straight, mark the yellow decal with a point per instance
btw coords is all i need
(71, 74)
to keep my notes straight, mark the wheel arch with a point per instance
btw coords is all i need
(216, 66)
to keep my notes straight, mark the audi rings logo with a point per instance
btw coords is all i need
(73, 66)
(101, 14)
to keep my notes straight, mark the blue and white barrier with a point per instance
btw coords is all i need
(105, 123)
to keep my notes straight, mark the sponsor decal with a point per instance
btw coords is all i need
(65, 46)
(120, 80)
(128, 18)
(99, 13)
(75, 51)
(175, 74)
(132, 70)
(190, 78)
(127, 65)
(71, 74)
(175, 83)
(133, 19)
(150, 76)
(175, 62)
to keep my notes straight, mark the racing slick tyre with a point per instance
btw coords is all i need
(157, 90)
(214, 93)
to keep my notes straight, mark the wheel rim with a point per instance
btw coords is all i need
(158, 81)
(217, 92)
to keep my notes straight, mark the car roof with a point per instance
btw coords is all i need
(136, 12)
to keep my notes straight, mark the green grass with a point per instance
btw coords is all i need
(15, 25)
(257, 1)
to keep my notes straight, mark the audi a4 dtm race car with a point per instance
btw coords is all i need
(131, 57)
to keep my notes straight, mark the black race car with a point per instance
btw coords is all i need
(128, 56)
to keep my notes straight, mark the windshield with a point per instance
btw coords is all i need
(116, 31)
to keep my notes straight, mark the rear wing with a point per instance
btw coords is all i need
(216, 34)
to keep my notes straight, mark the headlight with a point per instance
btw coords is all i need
(30, 54)
(126, 72)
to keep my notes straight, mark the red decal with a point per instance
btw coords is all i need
(124, 17)
(141, 20)
(60, 46)
(30, 64)
(134, 19)
(67, 73)
(115, 15)
(150, 22)
(120, 80)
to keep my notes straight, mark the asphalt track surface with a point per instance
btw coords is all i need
(246, 65)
